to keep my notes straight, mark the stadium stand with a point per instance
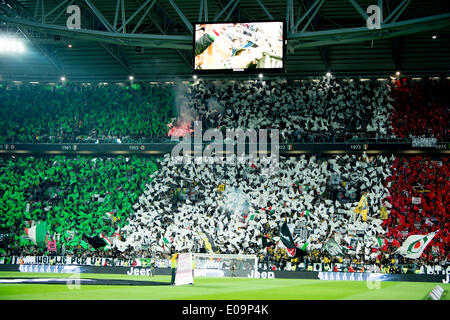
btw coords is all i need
(64, 188)
(349, 109)
(318, 110)
(272, 150)
(84, 113)
(178, 201)
(421, 108)
(252, 200)
(77, 197)
(419, 194)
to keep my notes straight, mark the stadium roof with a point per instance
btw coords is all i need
(323, 35)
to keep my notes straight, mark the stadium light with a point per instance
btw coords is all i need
(69, 45)
(11, 45)
(434, 37)
(397, 73)
(260, 75)
(328, 74)
(194, 76)
(131, 77)
(63, 78)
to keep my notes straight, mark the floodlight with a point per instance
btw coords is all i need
(11, 45)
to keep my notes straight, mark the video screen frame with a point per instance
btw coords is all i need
(255, 70)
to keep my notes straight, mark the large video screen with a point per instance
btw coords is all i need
(238, 47)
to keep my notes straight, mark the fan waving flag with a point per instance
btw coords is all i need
(267, 241)
(38, 233)
(286, 238)
(108, 240)
(363, 207)
(333, 248)
(96, 242)
(208, 243)
(414, 246)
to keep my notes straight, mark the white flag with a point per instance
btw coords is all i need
(413, 246)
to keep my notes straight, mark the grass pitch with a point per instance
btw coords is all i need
(214, 289)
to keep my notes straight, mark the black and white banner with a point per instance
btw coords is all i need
(82, 261)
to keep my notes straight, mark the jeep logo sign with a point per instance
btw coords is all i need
(262, 275)
(139, 272)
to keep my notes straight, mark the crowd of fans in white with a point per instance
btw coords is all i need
(311, 193)
(316, 194)
(306, 111)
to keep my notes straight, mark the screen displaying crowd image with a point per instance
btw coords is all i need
(233, 46)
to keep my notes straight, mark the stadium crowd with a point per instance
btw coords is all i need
(315, 110)
(253, 204)
(142, 207)
(77, 197)
(326, 110)
(421, 108)
(171, 210)
(419, 192)
(37, 113)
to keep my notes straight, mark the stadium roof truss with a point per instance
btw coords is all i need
(322, 36)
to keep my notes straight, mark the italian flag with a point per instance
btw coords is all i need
(38, 233)
(414, 246)
(381, 243)
(305, 213)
